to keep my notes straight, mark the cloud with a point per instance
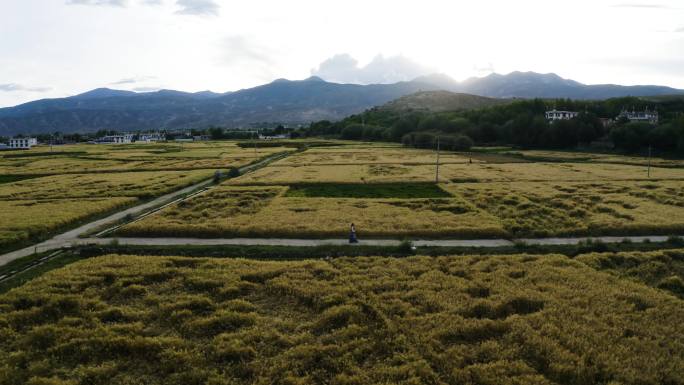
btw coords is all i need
(114, 3)
(197, 7)
(642, 5)
(12, 87)
(239, 49)
(137, 79)
(679, 29)
(146, 89)
(343, 68)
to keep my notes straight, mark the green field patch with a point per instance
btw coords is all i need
(15, 178)
(371, 190)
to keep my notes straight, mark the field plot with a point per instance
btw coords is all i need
(277, 211)
(386, 197)
(130, 157)
(565, 156)
(538, 209)
(137, 184)
(21, 220)
(444, 320)
(359, 156)
(41, 189)
(455, 172)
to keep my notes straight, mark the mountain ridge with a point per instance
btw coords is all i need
(281, 101)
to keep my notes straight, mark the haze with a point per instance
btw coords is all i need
(56, 48)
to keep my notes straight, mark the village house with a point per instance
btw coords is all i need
(22, 143)
(646, 116)
(115, 139)
(560, 115)
(152, 137)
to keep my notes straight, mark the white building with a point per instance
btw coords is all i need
(22, 143)
(115, 139)
(560, 115)
(646, 116)
(152, 137)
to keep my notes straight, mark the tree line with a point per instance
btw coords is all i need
(520, 123)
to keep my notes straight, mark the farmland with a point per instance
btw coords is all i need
(389, 192)
(44, 190)
(547, 319)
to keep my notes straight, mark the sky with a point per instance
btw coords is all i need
(57, 48)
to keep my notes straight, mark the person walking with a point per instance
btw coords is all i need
(352, 234)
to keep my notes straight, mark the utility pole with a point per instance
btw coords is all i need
(649, 161)
(437, 168)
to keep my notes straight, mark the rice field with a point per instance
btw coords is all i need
(135, 184)
(320, 191)
(44, 190)
(23, 220)
(547, 319)
(85, 158)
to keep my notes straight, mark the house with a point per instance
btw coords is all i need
(152, 137)
(560, 115)
(646, 116)
(22, 143)
(115, 139)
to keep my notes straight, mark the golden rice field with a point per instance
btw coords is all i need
(595, 157)
(136, 184)
(474, 210)
(263, 211)
(22, 220)
(455, 172)
(361, 156)
(75, 182)
(84, 158)
(517, 319)
(517, 199)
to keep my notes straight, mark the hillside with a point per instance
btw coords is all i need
(441, 101)
(285, 101)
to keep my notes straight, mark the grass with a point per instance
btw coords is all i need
(365, 320)
(386, 190)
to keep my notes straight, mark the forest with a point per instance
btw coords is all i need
(521, 123)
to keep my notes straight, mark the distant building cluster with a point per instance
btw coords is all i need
(646, 116)
(560, 115)
(22, 143)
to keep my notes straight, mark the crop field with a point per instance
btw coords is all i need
(594, 157)
(21, 220)
(42, 191)
(85, 158)
(420, 320)
(136, 184)
(265, 211)
(386, 195)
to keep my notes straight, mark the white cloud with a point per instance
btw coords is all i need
(137, 79)
(343, 68)
(146, 89)
(643, 5)
(115, 3)
(12, 87)
(197, 7)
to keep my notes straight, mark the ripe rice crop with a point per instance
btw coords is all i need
(21, 220)
(138, 184)
(264, 211)
(419, 320)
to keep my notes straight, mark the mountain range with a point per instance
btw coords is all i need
(281, 101)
